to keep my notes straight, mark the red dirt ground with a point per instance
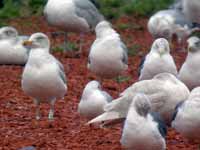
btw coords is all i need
(18, 127)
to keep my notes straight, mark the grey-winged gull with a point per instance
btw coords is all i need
(189, 72)
(165, 91)
(158, 60)
(43, 78)
(93, 100)
(79, 16)
(12, 51)
(143, 130)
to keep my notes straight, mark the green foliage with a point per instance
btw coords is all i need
(111, 9)
(134, 49)
(10, 9)
(21, 8)
(148, 7)
(121, 79)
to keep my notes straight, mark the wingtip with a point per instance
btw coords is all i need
(104, 117)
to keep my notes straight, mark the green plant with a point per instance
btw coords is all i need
(134, 49)
(121, 79)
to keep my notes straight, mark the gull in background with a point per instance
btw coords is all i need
(186, 118)
(12, 52)
(165, 91)
(166, 23)
(78, 16)
(158, 60)
(108, 55)
(43, 77)
(189, 72)
(93, 100)
(143, 125)
(191, 9)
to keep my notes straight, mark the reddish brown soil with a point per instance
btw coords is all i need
(18, 127)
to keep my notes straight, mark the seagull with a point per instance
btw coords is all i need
(158, 60)
(191, 9)
(93, 100)
(165, 91)
(189, 72)
(12, 52)
(186, 118)
(43, 77)
(177, 5)
(78, 16)
(108, 54)
(166, 23)
(143, 125)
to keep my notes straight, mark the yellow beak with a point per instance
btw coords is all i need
(27, 43)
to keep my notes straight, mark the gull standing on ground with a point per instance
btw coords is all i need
(108, 55)
(191, 9)
(43, 77)
(167, 23)
(189, 72)
(93, 100)
(165, 91)
(79, 16)
(158, 60)
(12, 52)
(186, 118)
(143, 130)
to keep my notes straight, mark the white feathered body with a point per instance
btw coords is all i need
(141, 133)
(106, 57)
(191, 9)
(189, 72)
(62, 14)
(13, 52)
(187, 121)
(92, 104)
(41, 79)
(155, 64)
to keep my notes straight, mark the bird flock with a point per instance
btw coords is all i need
(163, 95)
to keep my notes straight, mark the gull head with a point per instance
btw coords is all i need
(8, 33)
(193, 44)
(141, 104)
(161, 46)
(38, 40)
(103, 28)
(93, 85)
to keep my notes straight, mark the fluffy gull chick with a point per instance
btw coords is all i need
(93, 100)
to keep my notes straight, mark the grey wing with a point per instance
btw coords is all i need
(125, 53)
(108, 97)
(181, 20)
(61, 69)
(85, 9)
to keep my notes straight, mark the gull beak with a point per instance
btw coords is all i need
(162, 52)
(27, 43)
